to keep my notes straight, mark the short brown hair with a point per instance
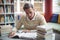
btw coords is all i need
(27, 5)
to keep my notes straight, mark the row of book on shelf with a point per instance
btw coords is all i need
(7, 18)
(6, 1)
(8, 9)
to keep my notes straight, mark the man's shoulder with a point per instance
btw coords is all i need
(39, 15)
(23, 16)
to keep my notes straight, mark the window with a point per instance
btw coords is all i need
(56, 6)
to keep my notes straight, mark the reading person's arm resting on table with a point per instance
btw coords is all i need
(14, 30)
(19, 24)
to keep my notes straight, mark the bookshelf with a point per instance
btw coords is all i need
(7, 15)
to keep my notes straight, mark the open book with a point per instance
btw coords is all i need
(20, 34)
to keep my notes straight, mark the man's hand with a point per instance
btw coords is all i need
(11, 34)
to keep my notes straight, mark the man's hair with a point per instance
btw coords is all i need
(27, 6)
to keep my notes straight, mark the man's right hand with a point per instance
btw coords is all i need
(11, 34)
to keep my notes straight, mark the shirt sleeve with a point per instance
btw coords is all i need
(19, 24)
(42, 23)
(42, 20)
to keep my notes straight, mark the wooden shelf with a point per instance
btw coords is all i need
(9, 22)
(9, 3)
(2, 23)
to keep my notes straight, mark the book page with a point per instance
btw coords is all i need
(26, 35)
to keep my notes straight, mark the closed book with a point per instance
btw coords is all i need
(40, 35)
(44, 28)
(6, 29)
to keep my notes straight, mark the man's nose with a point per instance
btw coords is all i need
(29, 14)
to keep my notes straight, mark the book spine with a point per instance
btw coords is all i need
(1, 9)
(11, 18)
(12, 8)
(12, 1)
(0, 31)
(4, 1)
(7, 1)
(6, 19)
(9, 9)
(2, 19)
(0, 1)
(6, 9)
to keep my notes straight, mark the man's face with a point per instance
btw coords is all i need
(30, 13)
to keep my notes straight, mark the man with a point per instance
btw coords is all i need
(30, 21)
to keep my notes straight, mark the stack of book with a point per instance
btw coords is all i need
(47, 33)
(42, 31)
(5, 29)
